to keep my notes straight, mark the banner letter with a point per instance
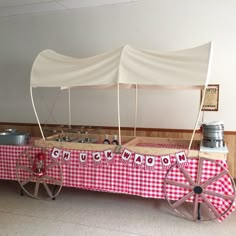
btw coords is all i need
(138, 159)
(97, 156)
(181, 158)
(166, 162)
(83, 157)
(126, 155)
(108, 155)
(66, 155)
(55, 153)
(150, 161)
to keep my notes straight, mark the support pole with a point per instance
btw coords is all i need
(118, 111)
(35, 112)
(69, 100)
(136, 110)
(203, 98)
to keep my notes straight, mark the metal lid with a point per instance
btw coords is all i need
(214, 123)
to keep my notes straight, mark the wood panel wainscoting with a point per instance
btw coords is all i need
(33, 130)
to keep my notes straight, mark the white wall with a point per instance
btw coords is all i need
(149, 24)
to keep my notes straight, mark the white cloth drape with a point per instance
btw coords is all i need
(126, 65)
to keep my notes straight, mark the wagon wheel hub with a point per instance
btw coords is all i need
(197, 190)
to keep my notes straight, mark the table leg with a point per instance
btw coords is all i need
(198, 211)
(54, 191)
(21, 192)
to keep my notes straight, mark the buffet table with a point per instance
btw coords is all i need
(119, 176)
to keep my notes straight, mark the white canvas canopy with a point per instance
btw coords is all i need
(126, 66)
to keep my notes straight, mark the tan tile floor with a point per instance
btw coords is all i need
(80, 212)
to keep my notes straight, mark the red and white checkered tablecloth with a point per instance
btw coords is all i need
(120, 177)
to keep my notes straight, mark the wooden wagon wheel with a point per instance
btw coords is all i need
(38, 174)
(199, 197)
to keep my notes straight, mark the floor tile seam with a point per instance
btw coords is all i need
(73, 223)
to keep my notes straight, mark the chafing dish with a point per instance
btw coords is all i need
(11, 137)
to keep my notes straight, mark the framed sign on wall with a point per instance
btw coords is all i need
(211, 101)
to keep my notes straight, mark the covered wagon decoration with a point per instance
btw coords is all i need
(194, 179)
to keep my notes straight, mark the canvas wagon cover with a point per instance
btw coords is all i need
(126, 65)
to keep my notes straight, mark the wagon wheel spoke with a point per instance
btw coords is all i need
(55, 181)
(168, 181)
(199, 173)
(215, 178)
(36, 189)
(195, 210)
(187, 176)
(25, 168)
(53, 164)
(211, 206)
(183, 199)
(223, 196)
(47, 188)
(29, 157)
(27, 180)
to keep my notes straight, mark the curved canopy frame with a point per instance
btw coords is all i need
(125, 67)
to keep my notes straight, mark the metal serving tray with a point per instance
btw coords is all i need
(14, 138)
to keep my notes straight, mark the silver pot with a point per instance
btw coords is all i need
(213, 134)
